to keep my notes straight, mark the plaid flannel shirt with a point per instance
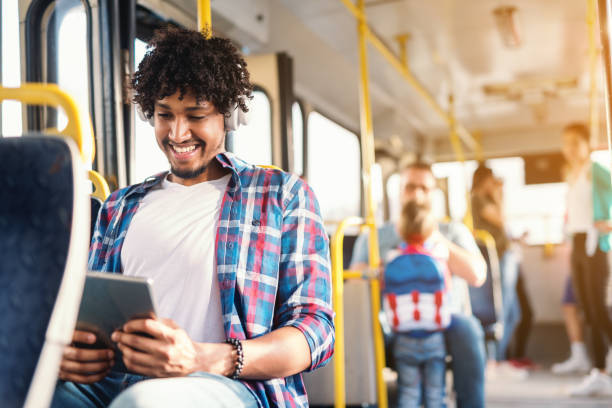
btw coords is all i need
(272, 260)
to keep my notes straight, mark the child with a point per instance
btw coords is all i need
(415, 300)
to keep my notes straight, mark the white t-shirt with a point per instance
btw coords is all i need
(171, 240)
(580, 204)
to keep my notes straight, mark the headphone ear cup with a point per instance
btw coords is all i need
(143, 117)
(231, 119)
(237, 117)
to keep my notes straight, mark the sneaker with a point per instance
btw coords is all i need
(524, 362)
(503, 370)
(572, 365)
(506, 370)
(594, 384)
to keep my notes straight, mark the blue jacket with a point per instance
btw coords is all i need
(602, 201)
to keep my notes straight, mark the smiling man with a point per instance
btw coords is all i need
(238, 255)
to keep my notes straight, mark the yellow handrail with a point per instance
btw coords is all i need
(204, 17)
(101, 189)
(338, 277)
(50, 94)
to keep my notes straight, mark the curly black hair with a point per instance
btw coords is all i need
(184, 60)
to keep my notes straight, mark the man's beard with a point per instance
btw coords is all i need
(189, 174)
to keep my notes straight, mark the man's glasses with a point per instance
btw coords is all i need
(411, 187)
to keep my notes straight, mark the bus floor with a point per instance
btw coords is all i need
(547, 345)
(540, 390)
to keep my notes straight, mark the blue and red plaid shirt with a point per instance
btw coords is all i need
(272, 262)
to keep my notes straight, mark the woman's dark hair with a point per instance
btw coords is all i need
(481, 174)
(183, 60)
(580, 129)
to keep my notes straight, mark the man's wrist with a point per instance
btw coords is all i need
(216, 358)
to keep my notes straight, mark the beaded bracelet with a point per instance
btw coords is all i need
(240, 361)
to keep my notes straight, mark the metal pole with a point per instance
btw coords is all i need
(604, 21)
(367, 149)
(204, 17)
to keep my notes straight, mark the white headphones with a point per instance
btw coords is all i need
(233, 119)
(237, 117)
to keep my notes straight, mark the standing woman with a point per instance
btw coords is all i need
(589, 209)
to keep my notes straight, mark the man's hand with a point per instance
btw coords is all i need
(170, 352)
(82, 365)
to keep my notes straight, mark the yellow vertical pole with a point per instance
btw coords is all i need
(478, 151)
(458, 149)
(204, 17)
(338, 299)
(593, 59)
(367, 138)
(367, 153)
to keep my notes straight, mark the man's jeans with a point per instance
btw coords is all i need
(465, 344)
(421, 366)
(132, 391)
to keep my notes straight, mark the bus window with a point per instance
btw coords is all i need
(253, 143)
(11, 67)
(148, 157)
(334, 178)
(72, 55)
(297, 119)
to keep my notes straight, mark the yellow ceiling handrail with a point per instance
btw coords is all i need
(78, 128)
(101, 189)
(403, 70)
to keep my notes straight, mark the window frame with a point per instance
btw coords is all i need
(42, 62)
(302, 107)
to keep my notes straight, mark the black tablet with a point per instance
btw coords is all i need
(109, 301)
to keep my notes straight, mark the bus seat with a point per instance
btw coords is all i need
(43, 230)
(359, 354)
(486, 299)
(347, 250)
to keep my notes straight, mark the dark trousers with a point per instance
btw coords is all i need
(590, 278)
(522, 331)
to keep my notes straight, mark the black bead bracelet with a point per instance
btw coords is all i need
(240, 360)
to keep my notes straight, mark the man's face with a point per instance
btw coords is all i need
(417, 185)
(190, 134)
